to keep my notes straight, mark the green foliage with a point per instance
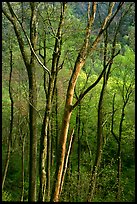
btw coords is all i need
(74, 191)
(128, 183)
(6, 196)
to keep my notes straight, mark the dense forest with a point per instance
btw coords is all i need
(68, 101)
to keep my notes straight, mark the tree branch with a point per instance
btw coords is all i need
(94, 44)
(29, 42)
(18, 34)
(14, 20)
(96, 82)
(105, 24)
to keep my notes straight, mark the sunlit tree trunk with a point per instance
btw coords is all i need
(50, 94)
(79, 63)
(63, 138)
(67, 160)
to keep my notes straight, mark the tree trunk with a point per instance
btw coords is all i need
(107, 68)
(99, 144)
(80, 61)
(119, 174)
(50, 94)
(66, 160)
(30, 66)
(119, 154)
(33, 134)
(78, 151)
(64, 131)
(56, 123)
(32, 108)
(43, 143)
(48, 161)
(118, 140)
(52, 140)
(69, 180)
(23, 146)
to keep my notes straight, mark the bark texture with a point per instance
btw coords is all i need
(30, 67)
(32, 108)
(50, 94)
(80, 61)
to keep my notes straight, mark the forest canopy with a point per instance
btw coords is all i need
(68, 101)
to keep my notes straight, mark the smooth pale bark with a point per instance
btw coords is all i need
(66, 160)
(64, 131)
(67, 114)
(80, 61)
(50, 94)
(43, 143)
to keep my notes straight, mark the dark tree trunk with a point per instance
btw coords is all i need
(118, 196)
(56, 122)
(119, 174)
(48, 161)
(30, 66)
(92, 184)
(23, 157)
(118, 140)
(32, 108)
(52, 140)
(78, 150)
(33, 135)
(107, 68)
